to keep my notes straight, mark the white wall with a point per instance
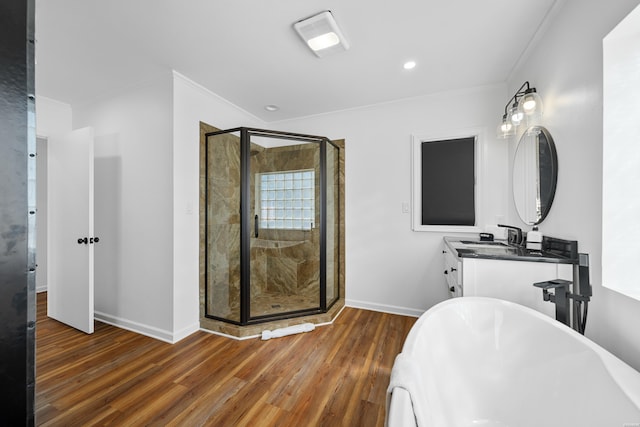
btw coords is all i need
(191, 105)
(389, 267)
(621, 157)
(565, 65)
(52, 117)
(147, 196)
(134, 148)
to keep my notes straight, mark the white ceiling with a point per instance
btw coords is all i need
(247, 51)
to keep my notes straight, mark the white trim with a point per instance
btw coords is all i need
(233, 337)
(416, 98)
(334, 317)
(416, 190)
(208, 92)
(544, 25)
(61, 104)
(384, 308)
(139, 328)
(185, 332)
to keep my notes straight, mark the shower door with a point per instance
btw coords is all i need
(285, 242)
(271, 225)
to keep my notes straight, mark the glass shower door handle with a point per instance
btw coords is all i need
(255, 225)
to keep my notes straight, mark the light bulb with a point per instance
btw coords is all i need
(409, 65)
(530, 104)
(515, 115)
(505, 128)
(324, 41)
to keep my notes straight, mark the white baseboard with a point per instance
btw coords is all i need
(146, 330)
(384, 308)
(185, 332)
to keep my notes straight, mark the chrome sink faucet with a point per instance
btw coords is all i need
(514, 234)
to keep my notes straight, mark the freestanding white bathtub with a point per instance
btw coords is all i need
(477, 361)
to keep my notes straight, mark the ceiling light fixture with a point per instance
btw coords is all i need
(409, 65)
(271, 107)
(321, 34)
(526, 108)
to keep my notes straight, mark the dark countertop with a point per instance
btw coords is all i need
(500, 250)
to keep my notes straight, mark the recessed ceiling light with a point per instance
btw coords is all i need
(271, 107)
(409, 65)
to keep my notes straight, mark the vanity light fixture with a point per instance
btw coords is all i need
(321, 34)
(526, 106)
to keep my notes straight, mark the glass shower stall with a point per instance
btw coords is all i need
(271, 222)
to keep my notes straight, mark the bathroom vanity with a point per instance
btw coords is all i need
(544, 273)
(497, 269)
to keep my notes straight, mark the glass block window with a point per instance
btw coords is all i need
(286, 199)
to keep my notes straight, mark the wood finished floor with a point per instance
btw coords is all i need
(336, 375)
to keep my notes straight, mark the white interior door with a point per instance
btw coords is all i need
(70, 229)
(41, 221)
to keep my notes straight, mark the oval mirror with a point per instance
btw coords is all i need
(535, 173)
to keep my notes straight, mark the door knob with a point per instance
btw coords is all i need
(94, 240)
(83, 240)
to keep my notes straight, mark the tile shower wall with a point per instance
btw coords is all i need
(290, 263)
(223, 226)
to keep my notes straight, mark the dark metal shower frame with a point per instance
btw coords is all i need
(245, 224)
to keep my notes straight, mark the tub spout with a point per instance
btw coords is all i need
(560, 297)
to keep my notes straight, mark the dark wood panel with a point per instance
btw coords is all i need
(335, 375)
